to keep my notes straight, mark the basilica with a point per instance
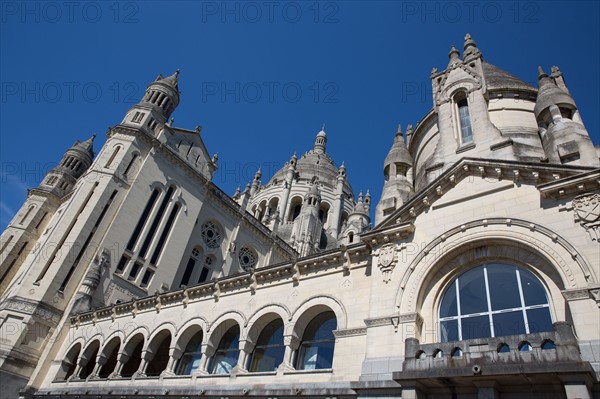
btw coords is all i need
(128, 273)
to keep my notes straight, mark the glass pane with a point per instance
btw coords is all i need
(224, 362)
(504, 290)
(267, 359)
(510, 323)
(448, 307)
(476, 327)
(449, 329)
(472, 292)
(317, 355)
(533, 291)
(539, 320)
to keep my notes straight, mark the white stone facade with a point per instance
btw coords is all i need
(145, 279)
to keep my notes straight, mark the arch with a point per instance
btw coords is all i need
(159, 345)
(258, 321)
(313, 306)
(226, 354)
(269, 348)
(189, 328)
(222, 324)
(503, 348)
(548, 344)
(274, 309)
(87, 359)
(131, 354)
(317, 345)
(69, 363)
(295, 207)
(324, 212)
(110, 352)
(528, 245)
(116, 148)
(29, 210)
(168, 326)
(189, 345)
(493, 299)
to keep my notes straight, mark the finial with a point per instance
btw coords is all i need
(360, 197)
(556, 72)
(198, 129)
(368, 193)
(399, 131)
(93, 136)
(434, 70)
(215, 158)
(467, 37)
(171, 121)
(323, 127)
(453, 52)
(409, 129)
(541, 73)
(177, 72)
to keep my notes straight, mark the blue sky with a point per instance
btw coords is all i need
(263, 77)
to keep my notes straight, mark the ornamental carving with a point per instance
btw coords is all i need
(587, 212)
(386, 261)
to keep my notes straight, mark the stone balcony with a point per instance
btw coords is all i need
(549, 362)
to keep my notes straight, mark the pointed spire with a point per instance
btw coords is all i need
(258, 174)
(399, 131)
(470, 47)
(453, 54)
(543, 79)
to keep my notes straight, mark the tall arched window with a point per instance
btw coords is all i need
(190, 359)
(226, 356)
(318, 342)
(269, 349)
(160, 347)
(466, 133)
(111, 352)
(494, 300)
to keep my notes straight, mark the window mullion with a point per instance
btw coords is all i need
(523, 309)
(489, 301)
(458, 313)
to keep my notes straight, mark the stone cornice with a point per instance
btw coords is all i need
(571, 185)
(520, 172)
(291, 271)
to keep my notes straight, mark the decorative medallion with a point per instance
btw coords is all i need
(587, 211)
(386, 261)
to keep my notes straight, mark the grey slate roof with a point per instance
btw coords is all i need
(497, 78)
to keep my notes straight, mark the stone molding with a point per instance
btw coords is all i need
(350, 332)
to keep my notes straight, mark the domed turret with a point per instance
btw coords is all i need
(77, 159)
(564, 136)
(159, 102)
(397, 169)
(550, 94)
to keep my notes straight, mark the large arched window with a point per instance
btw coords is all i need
(269, 349)
(190, 359)
(226, 356)
(494, 300)
(318, 342)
